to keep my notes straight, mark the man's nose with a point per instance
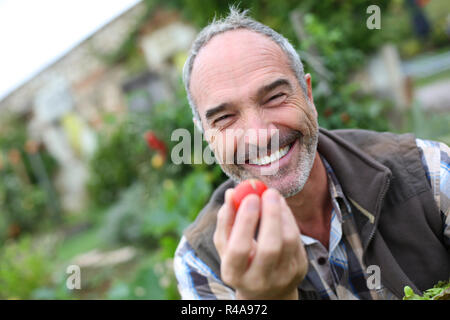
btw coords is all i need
(258, 130)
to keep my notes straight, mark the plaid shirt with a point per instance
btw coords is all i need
(336, 273)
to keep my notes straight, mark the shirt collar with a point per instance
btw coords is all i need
(340, 202)
(341, 209)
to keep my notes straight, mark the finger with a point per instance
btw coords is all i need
(241, 243)
(225, 220)
(269, 238)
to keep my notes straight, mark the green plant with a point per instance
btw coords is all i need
(440, 291)
(123, 156)
(24, 203)
(115, 165)
(154, 279)
(142, 217)
(24, 267)
(123, 220)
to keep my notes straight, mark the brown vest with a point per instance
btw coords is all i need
(397, 218)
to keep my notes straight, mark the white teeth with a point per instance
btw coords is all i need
(272, 158)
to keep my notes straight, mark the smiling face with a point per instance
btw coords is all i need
(242, 82)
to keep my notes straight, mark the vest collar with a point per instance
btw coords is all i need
(364, 180)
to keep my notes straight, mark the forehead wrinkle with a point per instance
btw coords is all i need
(234, 78)
(269, 54)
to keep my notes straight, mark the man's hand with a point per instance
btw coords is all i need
(270, 267)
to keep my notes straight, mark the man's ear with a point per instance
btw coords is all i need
(309, 91)
(309, 87)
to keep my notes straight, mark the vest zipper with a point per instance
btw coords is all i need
(375, 223)
(372, 233)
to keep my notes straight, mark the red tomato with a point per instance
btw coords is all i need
(252, 186)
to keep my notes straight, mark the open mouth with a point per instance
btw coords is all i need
(274, 156)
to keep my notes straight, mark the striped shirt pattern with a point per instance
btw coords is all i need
(336, 273)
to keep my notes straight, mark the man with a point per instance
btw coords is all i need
(340, 204)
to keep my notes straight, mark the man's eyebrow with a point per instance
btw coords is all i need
(273, 85)
(213, 111)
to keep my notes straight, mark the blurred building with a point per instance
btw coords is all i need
(66, 101)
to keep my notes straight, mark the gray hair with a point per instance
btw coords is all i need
(239, 20)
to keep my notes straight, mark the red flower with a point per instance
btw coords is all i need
(154, 143)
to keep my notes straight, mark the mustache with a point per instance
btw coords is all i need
(275, 142)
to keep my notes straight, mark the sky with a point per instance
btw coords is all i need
(35, 33)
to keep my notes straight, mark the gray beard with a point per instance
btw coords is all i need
(307, 156)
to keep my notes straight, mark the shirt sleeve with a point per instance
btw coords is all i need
(196, 280)
(436, 162)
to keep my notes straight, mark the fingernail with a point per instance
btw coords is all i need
(228, 194)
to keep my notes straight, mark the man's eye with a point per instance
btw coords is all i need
(279, 95)
(222, 118)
